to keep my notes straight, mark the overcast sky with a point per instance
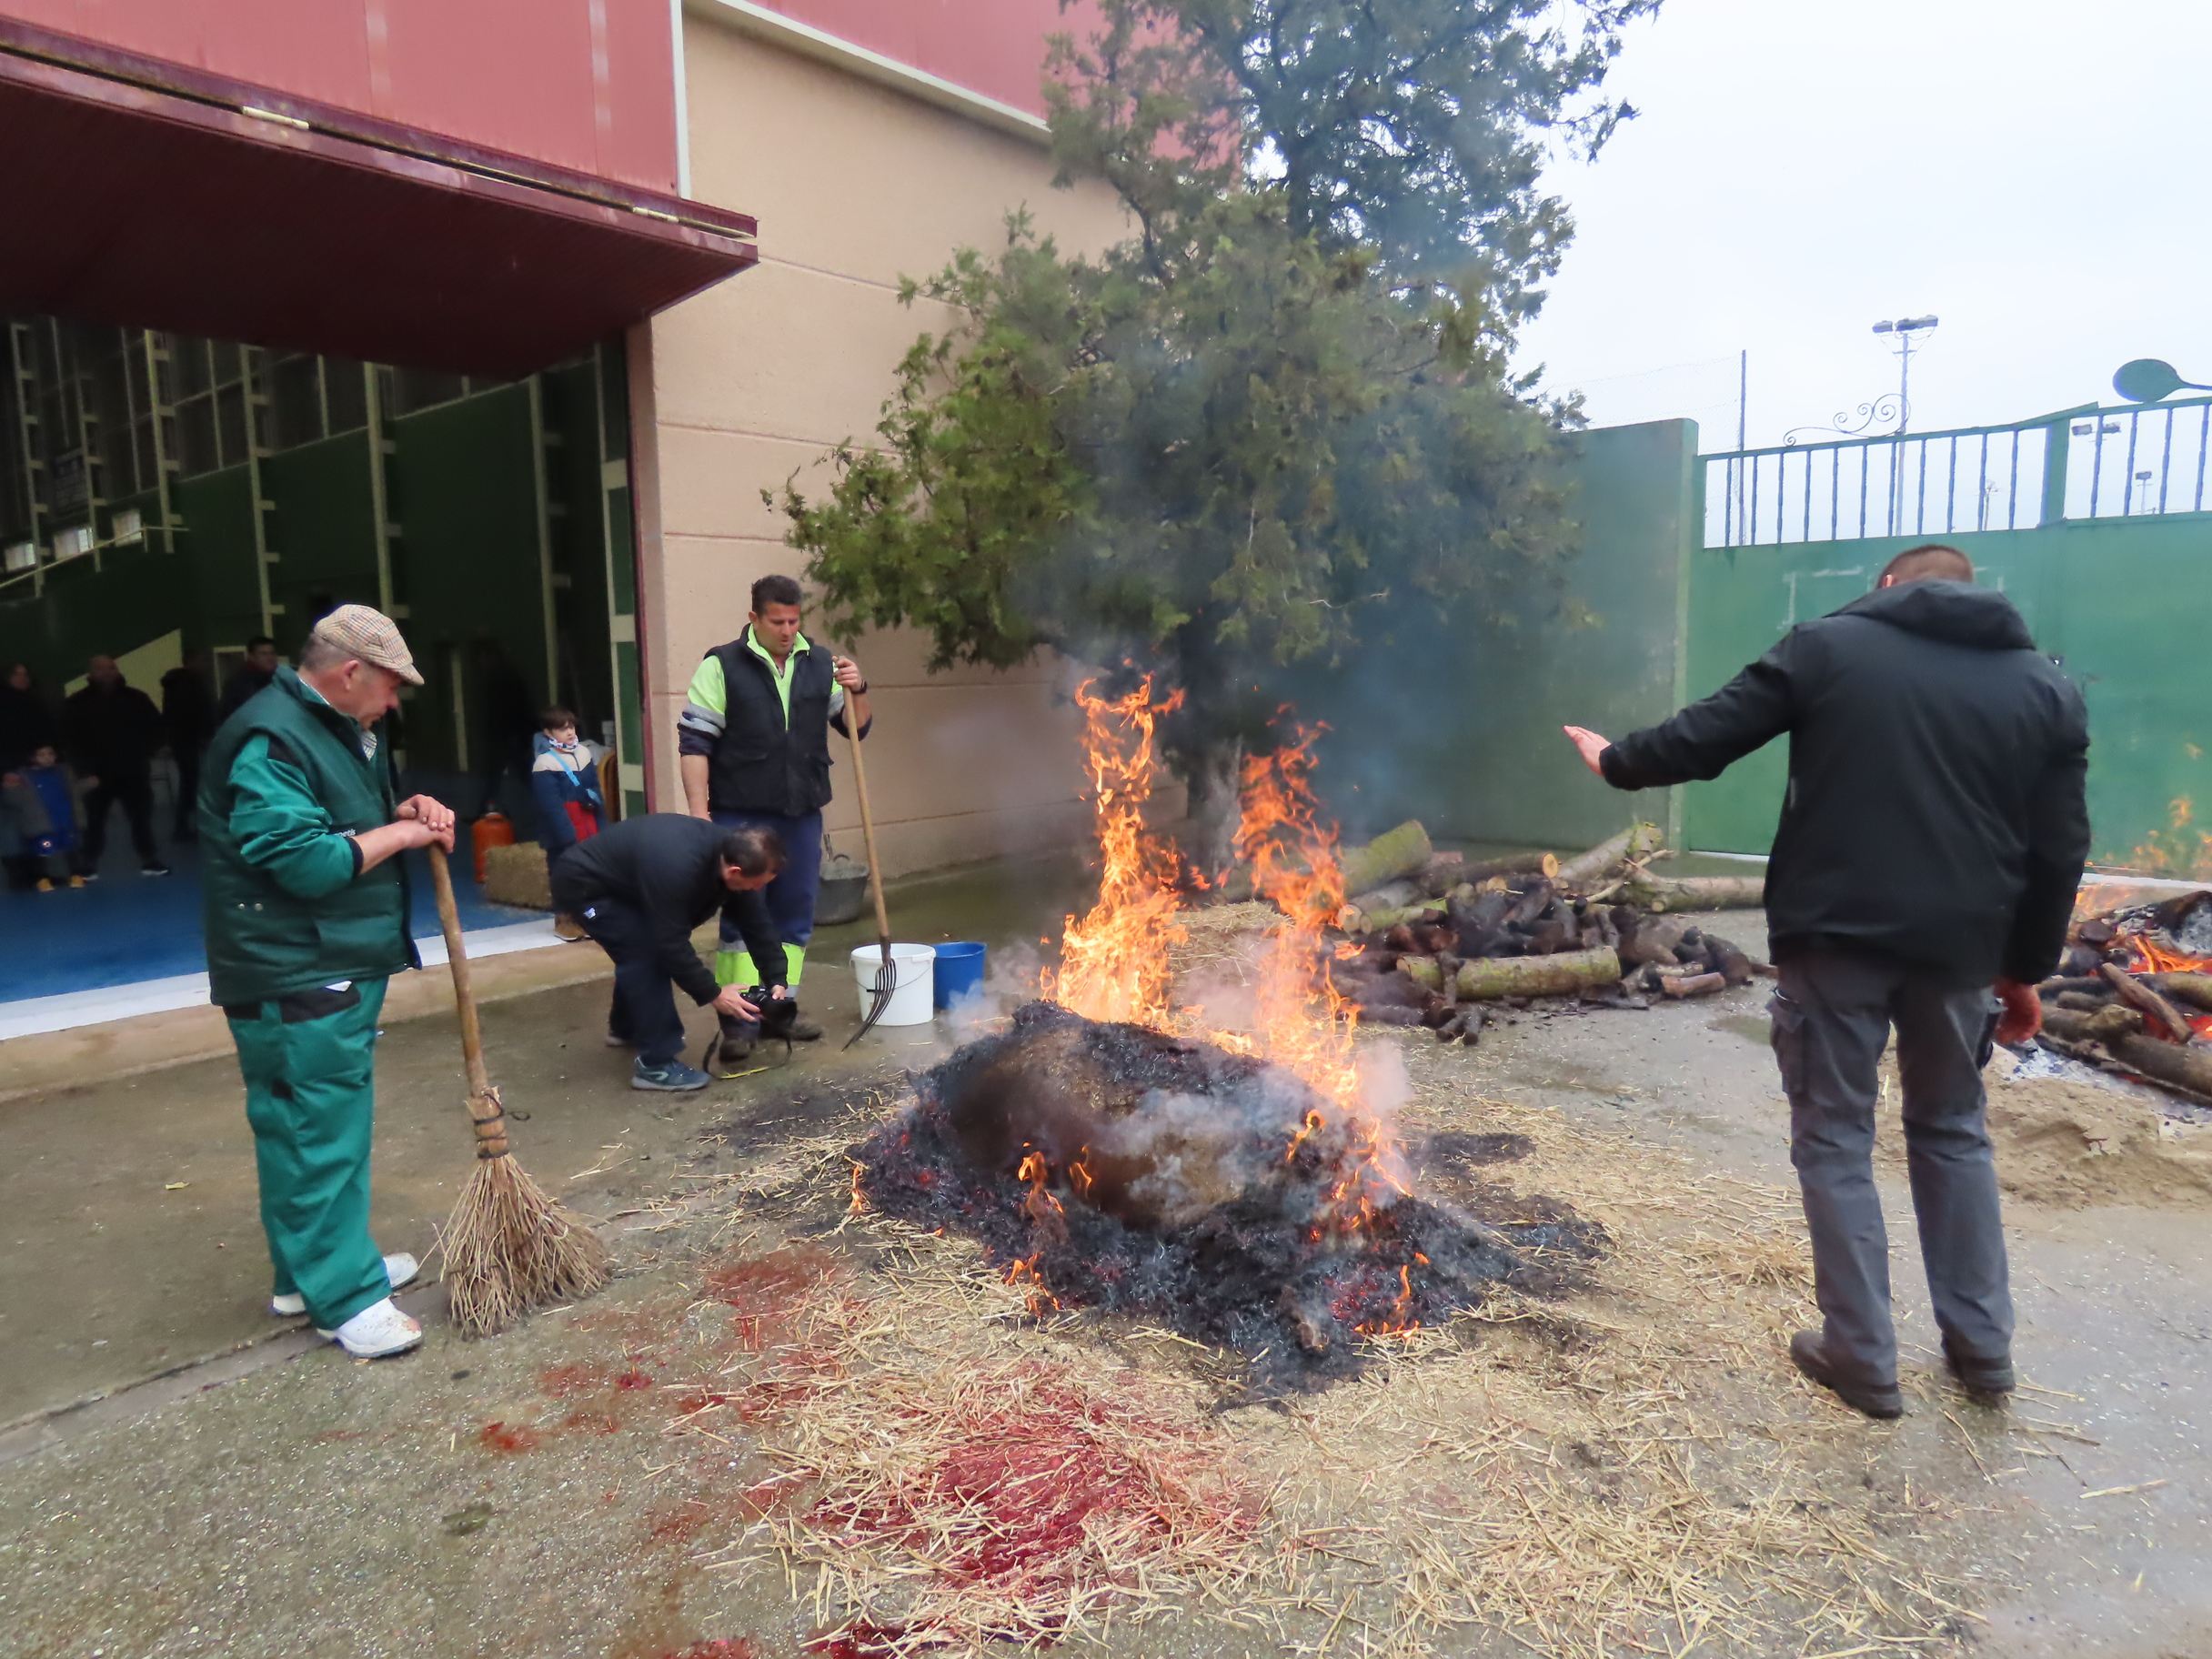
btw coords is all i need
(2033, 172)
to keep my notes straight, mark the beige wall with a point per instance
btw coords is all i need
(854, 184)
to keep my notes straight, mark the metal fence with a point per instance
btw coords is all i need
(2084, 463)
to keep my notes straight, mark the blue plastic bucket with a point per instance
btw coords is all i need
(960, 972)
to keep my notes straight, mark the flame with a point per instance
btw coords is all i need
(1113, 963)
(1024, 1274)
(1114, 960)
(859, 1199)
(1400, 1320)
(2152, 956)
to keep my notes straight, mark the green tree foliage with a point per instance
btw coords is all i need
(1247, 443)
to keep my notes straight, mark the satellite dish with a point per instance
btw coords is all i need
(2146, 379)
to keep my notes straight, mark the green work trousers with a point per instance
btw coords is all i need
(309, 1063)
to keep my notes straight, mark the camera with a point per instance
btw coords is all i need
(778, 1014)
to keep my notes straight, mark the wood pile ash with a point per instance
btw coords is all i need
(1117, 1167)
(2134, 994)
(1442, 940)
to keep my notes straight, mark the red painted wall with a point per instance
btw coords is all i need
(582, 84)
(995, 48)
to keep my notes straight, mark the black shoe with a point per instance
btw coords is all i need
(736, 1050)
(803, 1030)
(1985, 1379)
(1809, 1354)
(155, 869)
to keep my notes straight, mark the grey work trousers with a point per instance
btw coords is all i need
(1831, 1018)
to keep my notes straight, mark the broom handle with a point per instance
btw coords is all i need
(867, 834)
(464, 998)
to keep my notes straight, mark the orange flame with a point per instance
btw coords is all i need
(1400, 1320)
(859, 1199)
(1113, 962)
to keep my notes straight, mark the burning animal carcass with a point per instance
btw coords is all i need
(1116, 1166)
(1112, 1149)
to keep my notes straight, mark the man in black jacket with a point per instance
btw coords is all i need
(111, 730)
(753, 746)
(253, 676)
(187, 716)
(639, 887)
(1932, 840)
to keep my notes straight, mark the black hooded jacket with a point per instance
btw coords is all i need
(1936, 811)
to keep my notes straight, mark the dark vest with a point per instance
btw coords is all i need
(759, 766)
(263, 941)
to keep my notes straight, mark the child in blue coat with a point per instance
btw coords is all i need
(42, 800)
(565, 786)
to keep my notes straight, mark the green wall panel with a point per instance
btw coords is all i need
(322, 530)
(2120, 602)
(218, 541)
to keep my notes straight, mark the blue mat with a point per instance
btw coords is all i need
(126, 927)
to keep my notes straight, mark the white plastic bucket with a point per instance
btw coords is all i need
(913, 977)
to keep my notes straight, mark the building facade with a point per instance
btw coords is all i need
(500, 314)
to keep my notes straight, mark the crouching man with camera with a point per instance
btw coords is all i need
(640, 887)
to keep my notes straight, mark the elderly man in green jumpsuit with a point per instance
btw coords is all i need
(307, 917)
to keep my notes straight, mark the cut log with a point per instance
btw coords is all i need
(1729, 960)
(1442, 873)
(1587, 869)
(1391, 896)
(2195, 989)
(1491, 978)
(2107, 1024)
(2090, 983)
(1397, 852)
(1674, 894)
(1516, 864)
(1353, 920)
(1387, 1014)
(2081, 1001)
(2154, 1008)
(1692, 984)
(2189, 1068)
(1423, 970)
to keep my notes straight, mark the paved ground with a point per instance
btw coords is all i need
(315, 1505)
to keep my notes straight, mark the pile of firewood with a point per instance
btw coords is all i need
(2134, 994)
(1441, 939)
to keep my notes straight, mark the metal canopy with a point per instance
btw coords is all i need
(143, 194)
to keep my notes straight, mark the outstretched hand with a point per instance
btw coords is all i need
(1589, 745)
(2022, 1015)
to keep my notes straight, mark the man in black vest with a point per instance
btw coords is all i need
(753, 742)
(1931, 841)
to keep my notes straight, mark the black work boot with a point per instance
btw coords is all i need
(1983, 1379)
(803, 1030)
(1809, 1354)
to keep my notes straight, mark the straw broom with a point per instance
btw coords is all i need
(508, 1247)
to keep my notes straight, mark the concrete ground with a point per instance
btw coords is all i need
(311, 1504)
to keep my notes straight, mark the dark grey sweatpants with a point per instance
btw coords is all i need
(1831, 1018)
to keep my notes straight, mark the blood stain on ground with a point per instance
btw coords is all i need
(764, 1292)
(501, 1437)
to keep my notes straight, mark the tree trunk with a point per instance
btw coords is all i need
(1215, 810)
(2195, 989)
(1586, 871)
(2188, 1069)
(1537, 976)
(1515, 864)
(1659, 897)
(1396, 852)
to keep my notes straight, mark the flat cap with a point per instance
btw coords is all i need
(363, 632)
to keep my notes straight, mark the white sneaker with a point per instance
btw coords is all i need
(399, 1267)
(377, 1330)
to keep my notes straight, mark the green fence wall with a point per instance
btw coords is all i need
(2123, 603)
(1461, 727)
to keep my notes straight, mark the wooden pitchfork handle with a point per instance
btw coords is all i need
(484, 1107)
(867, 838)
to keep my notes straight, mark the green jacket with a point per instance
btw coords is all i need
(283, 790)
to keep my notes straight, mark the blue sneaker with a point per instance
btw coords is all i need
(674, 1078)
